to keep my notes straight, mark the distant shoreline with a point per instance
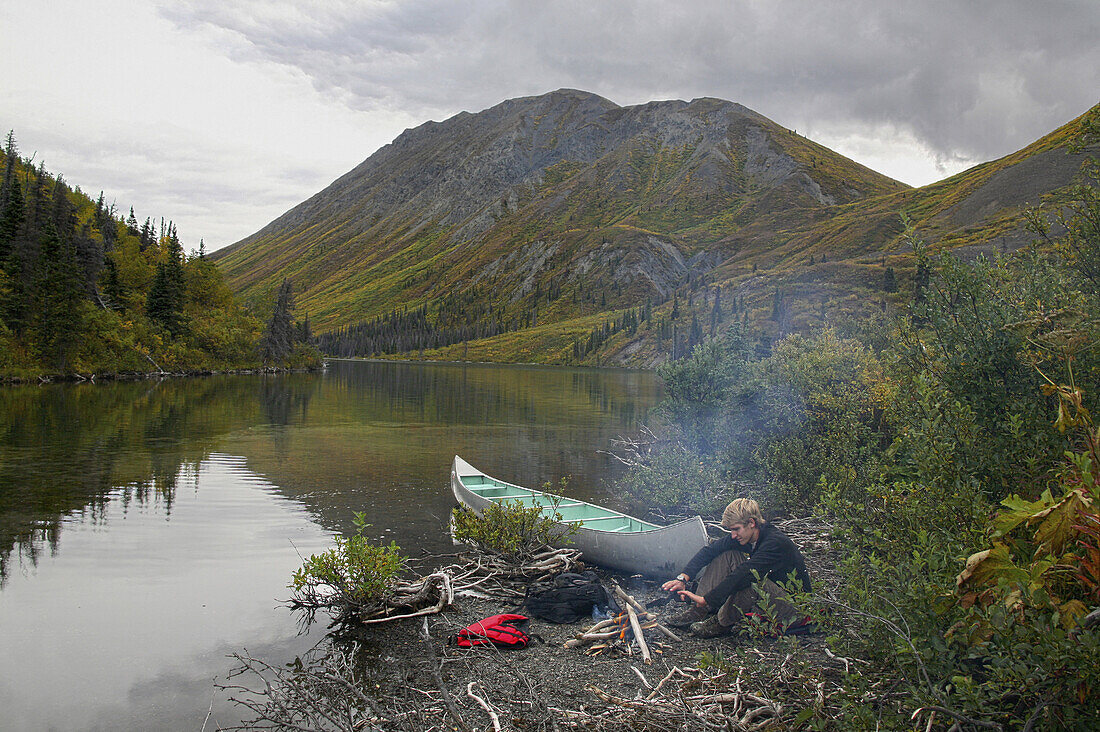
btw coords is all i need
(526, 364)
(76, 378)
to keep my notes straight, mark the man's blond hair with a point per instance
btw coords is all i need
(740, 511)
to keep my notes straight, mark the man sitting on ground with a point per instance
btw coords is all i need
(725, 591)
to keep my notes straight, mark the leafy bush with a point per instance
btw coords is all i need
(809, 412)
(509, 529)
(995, 643)
(676, 480)
(354, 574)
(821, 421)
(700, 391)
(1025, 595)
(982, 337)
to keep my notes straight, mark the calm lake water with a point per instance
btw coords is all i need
(149, 529)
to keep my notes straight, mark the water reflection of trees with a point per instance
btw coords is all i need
(71, 449)
(487, 394)
(553, 419)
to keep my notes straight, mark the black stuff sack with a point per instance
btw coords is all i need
(495, 630)
(568, 598)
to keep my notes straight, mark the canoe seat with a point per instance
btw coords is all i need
(567, 504)
(534, 499)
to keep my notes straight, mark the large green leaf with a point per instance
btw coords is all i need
(989, 567)
(1057, 533)
(1019, 511)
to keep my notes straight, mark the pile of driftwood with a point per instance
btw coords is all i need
(620, 631)
(331, 694)
(684, 699)
(491, 577)
(474, 574)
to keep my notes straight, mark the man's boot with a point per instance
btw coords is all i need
(710, 628)
(684, 620)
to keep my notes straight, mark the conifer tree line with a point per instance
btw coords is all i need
(85, 290)
(672, 333)
(401, 331)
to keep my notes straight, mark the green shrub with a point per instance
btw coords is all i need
(354, 574)
(820, 419)
(700, 391)
(981, 338)
(509, 529)
(807, 412)
(677, 480)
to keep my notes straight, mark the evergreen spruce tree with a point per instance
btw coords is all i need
(166, 296)
(11, 156)
(36, 206)
(113, 291)
(63, 213)
(695, 334)
(11, 221)
(57, 317)
(889, 280)
(20, 264)
(89, 255)
(278, 340)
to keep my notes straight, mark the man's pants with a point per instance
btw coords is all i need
(733, 610)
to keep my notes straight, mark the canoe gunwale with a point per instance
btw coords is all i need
(660, 551)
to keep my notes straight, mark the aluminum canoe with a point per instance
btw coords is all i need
(604, 536)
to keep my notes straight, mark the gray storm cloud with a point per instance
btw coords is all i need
(969, 80)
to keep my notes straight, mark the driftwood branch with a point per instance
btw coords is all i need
(956, 716)
(446, 597)
(639, 636)
(493, 716)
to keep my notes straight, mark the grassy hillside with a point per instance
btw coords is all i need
(561, 210)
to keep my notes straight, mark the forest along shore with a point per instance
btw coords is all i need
(141, 375)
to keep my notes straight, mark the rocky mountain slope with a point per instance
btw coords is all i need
(637, 193)
(544, 214)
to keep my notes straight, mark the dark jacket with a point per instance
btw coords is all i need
(775, 557)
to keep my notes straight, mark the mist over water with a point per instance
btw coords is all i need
(149, 529)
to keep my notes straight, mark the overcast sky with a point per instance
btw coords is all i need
(222, 114)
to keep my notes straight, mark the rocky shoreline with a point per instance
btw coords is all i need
(546, 673)
(75, 378)
(416, 678)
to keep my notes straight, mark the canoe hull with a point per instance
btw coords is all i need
(660, 552)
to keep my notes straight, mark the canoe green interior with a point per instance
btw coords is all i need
(571, 511)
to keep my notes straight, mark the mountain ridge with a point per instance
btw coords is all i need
(564, 205)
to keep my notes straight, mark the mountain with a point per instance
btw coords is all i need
(522, 229)
(835, 260)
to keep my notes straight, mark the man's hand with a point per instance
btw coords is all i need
(699, 600)
(674, 585)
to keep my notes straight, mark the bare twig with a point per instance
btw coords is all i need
(493, 716)
(956, 716)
